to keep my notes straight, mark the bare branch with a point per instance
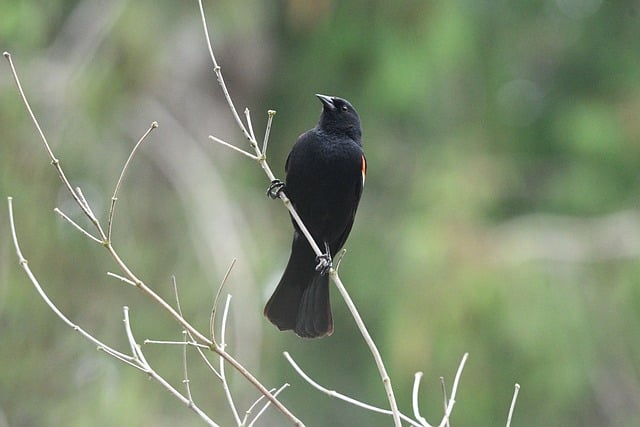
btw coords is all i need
(343, 397)
(252, 140)
(114, 198)
(233, 147)
(370, 343)
(265, 166)
(135, 348)
(191, 341)
(175, 293)
(444, 397)
(416, 408)
(140, 358)
(165, 342)
(218, 71)
(513, 403)
(78, 227)
(185, 381)
(54, 161)
(25, 266)
(85, 205)
(124, 279)
(212, 318)
(130, 276)
(7, 55)
(338, 259)
(454, 390)
(267, 132)
(223, 376)
(199, 349)
(266, 405)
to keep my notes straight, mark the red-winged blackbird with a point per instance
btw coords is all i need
(325, 174)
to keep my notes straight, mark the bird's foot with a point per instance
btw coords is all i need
(325, 264)
(275, 188)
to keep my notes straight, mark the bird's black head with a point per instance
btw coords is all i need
(339, 116)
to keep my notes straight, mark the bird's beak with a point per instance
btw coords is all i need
(327, 101)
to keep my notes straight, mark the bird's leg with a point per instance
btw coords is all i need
(324, 261)
(275, 188)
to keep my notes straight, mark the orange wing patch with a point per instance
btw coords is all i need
(364, 169)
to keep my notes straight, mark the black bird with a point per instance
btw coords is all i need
(325, 174)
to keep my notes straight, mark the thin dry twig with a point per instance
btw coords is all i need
(185, 380)
(344, 397)
(516, 390)
(84, 206)
(218, 71)
(265, 406)
(454, 390)
(32, 278)
(261, 158)
(223, 376)
(128, 273)
(77, 226)
(137, 360)
(146, 367)
(212, 318)
(444, 396)
(267, 132)
(192, 342)
(247, 115)
(54, 161)
(233, 147)
(114, 198)
(181, 343)
(185, 333)
(370, 343)
(121, 278)
(414, 399)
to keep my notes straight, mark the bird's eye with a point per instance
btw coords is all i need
(345, 108)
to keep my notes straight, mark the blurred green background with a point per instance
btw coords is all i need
(500, 215)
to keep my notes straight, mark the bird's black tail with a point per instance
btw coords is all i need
(301, 300)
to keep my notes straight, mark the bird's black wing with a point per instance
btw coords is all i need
(335, 247)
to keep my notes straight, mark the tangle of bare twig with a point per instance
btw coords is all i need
(127, 276)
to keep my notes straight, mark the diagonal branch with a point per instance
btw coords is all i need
(218, 71)
(77, 226)
(262, 161)
(130, 276)
(223, 376)
(454, 390)
(513, 403)
(32, 278)
(343, 397)
(54, 161)
(146, 367)
(266, 405)
(114, 198)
